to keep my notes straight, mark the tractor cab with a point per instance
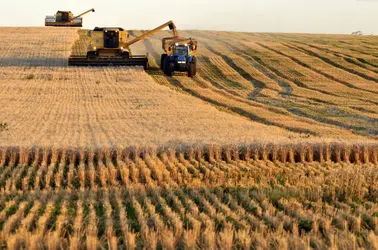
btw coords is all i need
(180, 55)
(181, 50)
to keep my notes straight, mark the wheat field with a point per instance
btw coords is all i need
(273, 145)
(312, 84)
(207, 199)
(47, 104)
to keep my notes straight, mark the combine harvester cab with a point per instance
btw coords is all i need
(179, 55)
(110, 47)
(66, 19)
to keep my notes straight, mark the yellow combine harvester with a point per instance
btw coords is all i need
(110, 47)
(66, 19)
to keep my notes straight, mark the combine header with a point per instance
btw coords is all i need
(110, 47)
(66, 19)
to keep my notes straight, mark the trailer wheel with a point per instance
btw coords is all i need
(162, 61)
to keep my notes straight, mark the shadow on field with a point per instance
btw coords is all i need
(34, 62)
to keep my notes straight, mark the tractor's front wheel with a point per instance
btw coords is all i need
(169, 66)
(191, 70)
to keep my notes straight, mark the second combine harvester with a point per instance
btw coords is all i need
(66, 19)
(111, 47)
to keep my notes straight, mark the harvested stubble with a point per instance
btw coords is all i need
(126, 107)
(47, 104)
(53, 168)
(254, 196)
(176, 200)
(35, 47)
(267, 78)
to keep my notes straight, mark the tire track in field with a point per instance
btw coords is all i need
(334, 64)
(179, 82)
(258, 85)
(215, 71)
(338, 53)
(214, 75)
(264, 104)
(253, 103)
(328, 121)
(366, 62)
(210, 76)
(204, 62)
(297, 82)
(362, 52)
(283, 84)
(309, 116)
(269, 103)
(289, 38)
(364, 110)
(344, 56)
(237, 110)
(325, 120)
(330, 77)
(361, 130)
(243, 112)
(370, 44)
(286, 89)
(359, 51)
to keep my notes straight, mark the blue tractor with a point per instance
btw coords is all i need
(179, 56)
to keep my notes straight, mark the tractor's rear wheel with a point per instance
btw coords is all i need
(165, 64)
(192, 70)
(195, 66)
(162, 61)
